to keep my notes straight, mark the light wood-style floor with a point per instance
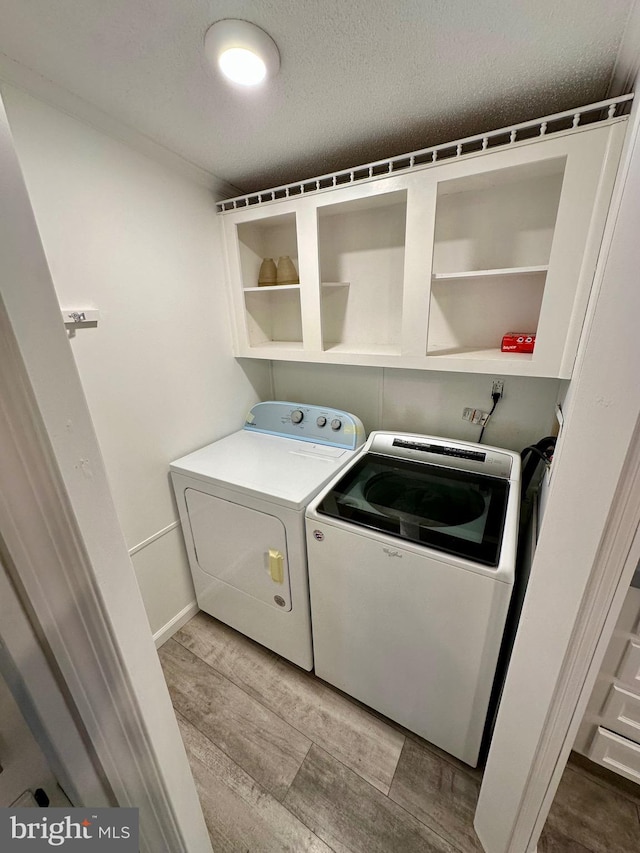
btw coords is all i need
(283, 762)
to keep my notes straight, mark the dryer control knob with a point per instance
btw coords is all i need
(336, 423)
(296, 416)
(321, 421)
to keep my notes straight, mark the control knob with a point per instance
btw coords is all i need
(336, 423)
(321, 421)
(296, 416)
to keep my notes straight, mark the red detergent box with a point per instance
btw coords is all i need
(518, 342)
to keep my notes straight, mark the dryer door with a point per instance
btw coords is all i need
(241, 547)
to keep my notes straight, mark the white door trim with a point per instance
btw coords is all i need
(584, 660)
(609, 581)
(64, 548)
(587, 550)
(30, 677)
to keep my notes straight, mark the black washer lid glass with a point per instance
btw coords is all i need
(458, 512)
(432, 501)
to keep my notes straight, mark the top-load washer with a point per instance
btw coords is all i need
(412, 553)
(242, 501)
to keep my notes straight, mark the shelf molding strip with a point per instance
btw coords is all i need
(275, 288)
(271, 288)
(567, 121)
(507, 271)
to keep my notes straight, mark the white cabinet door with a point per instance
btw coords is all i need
(617, 753)
(629, 671)
(621, 713)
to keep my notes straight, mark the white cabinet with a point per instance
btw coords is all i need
(610, 730)
(428, 269)
(616, 753)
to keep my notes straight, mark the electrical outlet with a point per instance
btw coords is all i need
(475, 416)
(497, 387)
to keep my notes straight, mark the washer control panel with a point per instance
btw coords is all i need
(308, 423)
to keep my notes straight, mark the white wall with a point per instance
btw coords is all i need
(427, 402)
(126, 235)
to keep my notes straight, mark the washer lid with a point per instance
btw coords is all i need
(283, 470)
(461, 455)
(457, 512)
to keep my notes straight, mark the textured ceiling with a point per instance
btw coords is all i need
(360, 79)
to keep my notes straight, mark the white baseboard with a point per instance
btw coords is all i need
(173, 625)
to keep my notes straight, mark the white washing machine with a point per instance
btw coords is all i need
(241, 502)
(412, 553)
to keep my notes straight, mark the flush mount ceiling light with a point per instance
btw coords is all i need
(243, 52)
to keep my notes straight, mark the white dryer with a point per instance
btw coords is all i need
(412, 554)
(242, 501)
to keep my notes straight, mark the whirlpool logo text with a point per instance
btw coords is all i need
(28, 830)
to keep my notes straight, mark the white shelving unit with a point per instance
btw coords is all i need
(429, 268)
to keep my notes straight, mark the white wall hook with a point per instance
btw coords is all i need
(79, 318)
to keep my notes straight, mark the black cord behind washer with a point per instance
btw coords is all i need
(495, 397)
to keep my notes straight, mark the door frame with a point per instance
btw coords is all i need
(588, 546)
(29, 675)
(64, 549)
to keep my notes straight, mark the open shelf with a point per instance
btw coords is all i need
(369, 349)
(362, 242)
(493, 237)
(468, 313)
(273, 315)
(474, 353)
(508, 271)
(497, 220)
(270, 288)
(293, 346)
(271, 237)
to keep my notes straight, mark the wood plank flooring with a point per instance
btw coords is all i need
(283, 762)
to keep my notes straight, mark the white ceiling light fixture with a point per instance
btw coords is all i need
(243, 52)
